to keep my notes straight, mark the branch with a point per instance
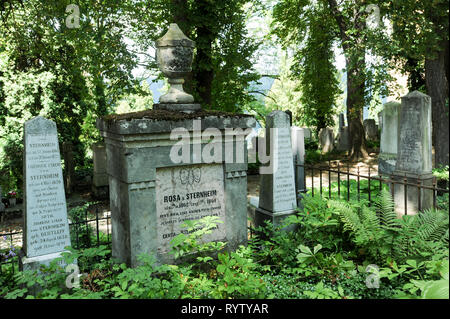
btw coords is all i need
(262, 93)
(340, 21)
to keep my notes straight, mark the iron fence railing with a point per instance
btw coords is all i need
(87, 232)
(90, 231)
(314, 176)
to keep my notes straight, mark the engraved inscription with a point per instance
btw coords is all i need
(47, 227)
(188, 193)
(284, 184)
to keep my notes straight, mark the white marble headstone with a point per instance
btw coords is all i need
(277, 190)
(46, 224)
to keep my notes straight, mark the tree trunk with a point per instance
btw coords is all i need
(437, 88)
(354, 52)
(203, 71)
(180, 13)
(355, 105)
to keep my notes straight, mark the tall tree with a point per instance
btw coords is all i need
(66, 69)
(420, 42)
(351, 23)
(222, 67)
(321, 23)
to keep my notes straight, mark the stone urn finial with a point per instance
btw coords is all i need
(174, 55)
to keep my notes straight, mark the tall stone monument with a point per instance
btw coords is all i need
(414, 154)
(46, 228)
(390, 129)
(175, 163)
(277, 198)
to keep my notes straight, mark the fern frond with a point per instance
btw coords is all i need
(385, 206)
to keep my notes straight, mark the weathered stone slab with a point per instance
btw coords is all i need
(414, 154)
(46, 225)
(390, 129)
(414, 142)
(100, 180)
(189, 193)
(298, 152)
(371, 130)
(140, 171)
(307, 132)
(277, 189)
(343, 139)
(46, 228)
(326, 140)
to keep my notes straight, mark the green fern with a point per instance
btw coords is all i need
(422, 235)
(386, 211)
(382, 234)
(362, 224)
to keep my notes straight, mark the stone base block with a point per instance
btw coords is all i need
(34, 263)
(277, 219)
(386, 164)
(409, 200)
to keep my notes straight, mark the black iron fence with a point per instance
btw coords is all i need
(341, 181)
(338, 181)
(87, 229)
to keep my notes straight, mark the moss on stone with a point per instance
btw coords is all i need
(166, 115)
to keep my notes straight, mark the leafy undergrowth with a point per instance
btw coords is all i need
(339, 250)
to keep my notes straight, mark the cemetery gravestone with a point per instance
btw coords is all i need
(341, 121)
(152, 191)
(307, 132)
(343, 138)
(100, 184)
(46, 228)
(390, 128)
(326, 140)
(414, 155)
(277, 198)
(371, 130)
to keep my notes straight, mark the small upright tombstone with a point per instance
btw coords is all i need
(46, 228)
(341, 121)
(277, 198)
(307, 132)
(390, 128)
(326, 140)
(414, 160)
(371, 130)
(100, 183)
(343, 138)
